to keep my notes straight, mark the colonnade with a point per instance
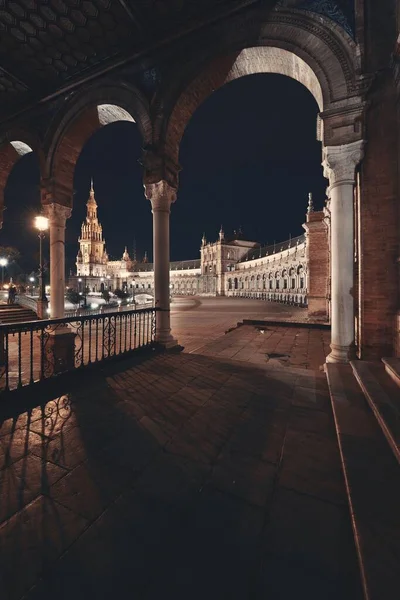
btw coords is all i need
(339, 163)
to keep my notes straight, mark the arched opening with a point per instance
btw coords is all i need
(19, 204)
(102, 141)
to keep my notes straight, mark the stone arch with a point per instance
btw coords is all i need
(306, 47)
(18, 144)
(81, 117)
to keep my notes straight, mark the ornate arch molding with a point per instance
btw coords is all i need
(322, 52)
(82, 115)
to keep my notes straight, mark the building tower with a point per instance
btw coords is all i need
(92, 258)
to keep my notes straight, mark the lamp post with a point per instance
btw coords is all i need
(84, 290)
(32, 279)
(3, 263)
(41, 224)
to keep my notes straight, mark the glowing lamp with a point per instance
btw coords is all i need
(41, 223)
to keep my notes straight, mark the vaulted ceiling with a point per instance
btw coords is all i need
(48, 45)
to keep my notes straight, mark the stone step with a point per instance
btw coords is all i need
(16, 314)
(392, 368)
(372, 477)
(383, 396)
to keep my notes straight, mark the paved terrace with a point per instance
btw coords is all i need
(206, 474)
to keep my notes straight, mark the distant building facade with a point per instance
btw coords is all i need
(229, 266)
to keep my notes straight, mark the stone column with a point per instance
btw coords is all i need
(161, 196)
(57, 215)
(339, 167)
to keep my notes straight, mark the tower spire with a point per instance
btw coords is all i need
(310, 203)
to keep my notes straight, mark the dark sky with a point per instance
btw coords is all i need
(249, 159)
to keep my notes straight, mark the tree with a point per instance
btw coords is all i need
(73, 296)
(121, 294)
(105, 294)
(10, 253)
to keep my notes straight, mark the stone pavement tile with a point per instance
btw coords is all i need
(31, 541)
(201, 439)
(315, 536)
(313, 380)
(260, 439)
(314, 421)
(173, 480)
(8, 426)
(311, 398)
(18, 444)
(246, 477)
(36, 474)
(215, 556)
(274, 397)
(91, 487)
(131, 451)
(70, 448)
(107, 561)
(192, 395)
(282, 578)
(23, 481)
(311, 465)
(13, 495)
(54, 417)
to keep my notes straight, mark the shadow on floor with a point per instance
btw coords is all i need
(178, 476)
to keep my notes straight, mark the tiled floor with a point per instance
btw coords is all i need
(212, 474)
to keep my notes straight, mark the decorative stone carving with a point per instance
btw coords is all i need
(339, 162)
(57, 214)
(158, 166)
(161, 195)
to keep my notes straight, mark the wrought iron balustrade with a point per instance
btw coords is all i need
(38, 350)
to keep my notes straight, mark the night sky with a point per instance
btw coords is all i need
(249, 158)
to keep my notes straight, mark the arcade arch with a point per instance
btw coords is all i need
(81, 117)
(333, 83)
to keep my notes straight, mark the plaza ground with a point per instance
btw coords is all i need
(212, 473)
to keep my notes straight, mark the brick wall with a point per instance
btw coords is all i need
(318, 264)
(379, 225)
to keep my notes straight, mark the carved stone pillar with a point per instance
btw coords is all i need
(339, 167)
(161, 196)
(57, 215)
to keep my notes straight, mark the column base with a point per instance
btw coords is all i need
(167, 342)
(341, 354)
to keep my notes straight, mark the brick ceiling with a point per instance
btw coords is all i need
(46, 45)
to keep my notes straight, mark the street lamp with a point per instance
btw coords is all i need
(84, 290)
(3, 263)
(32, 279)
(41, 224)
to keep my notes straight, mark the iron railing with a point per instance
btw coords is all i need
(37, 350)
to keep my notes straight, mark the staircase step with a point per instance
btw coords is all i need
(372, 477)
(16, 314)
(383, 396)
(392, 368)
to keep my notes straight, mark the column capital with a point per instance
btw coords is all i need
(161, 195)
(57, 214)
(339, 162)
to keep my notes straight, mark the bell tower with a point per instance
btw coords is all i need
(92, 258)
